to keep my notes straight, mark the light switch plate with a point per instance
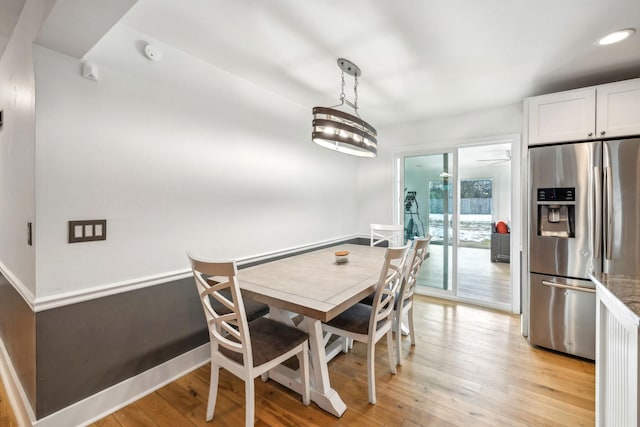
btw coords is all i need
(87, 230)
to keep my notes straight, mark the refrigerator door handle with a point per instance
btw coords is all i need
(568, 287)
(597, 234)
(608, 184)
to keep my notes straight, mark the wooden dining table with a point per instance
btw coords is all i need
(315, 287)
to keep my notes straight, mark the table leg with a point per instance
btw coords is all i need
(404, 329)
(321, 392)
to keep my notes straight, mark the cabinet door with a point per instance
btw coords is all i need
(564, 116)
(618, 111)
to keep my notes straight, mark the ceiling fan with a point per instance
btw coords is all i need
(500, 159)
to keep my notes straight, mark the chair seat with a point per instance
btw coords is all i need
(252, 308)
(269, 339)
(368, 300)
(354, 319)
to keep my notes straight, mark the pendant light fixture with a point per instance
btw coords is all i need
(341, 131)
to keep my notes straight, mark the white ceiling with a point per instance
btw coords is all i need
(419, 58)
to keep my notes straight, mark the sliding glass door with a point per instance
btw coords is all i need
(429, 208)
(457, 197)
(484, 174)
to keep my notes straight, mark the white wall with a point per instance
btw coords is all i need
(212, 165)
(17, 139)
(375, 179)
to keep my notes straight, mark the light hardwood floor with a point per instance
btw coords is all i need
(470, 367)
(7, 418)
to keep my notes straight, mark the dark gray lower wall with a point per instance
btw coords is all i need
(69, 353)
(18, 333)
(86, 347)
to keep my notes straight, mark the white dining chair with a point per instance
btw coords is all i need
(404, 301)
(391, 233)
(245, 349)
(368, 323)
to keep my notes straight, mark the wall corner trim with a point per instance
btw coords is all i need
(24, 292)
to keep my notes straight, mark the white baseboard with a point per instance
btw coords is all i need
(128, 391)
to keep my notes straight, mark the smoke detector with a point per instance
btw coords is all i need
(152, 53)
(90, 71)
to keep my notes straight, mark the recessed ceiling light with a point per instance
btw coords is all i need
(616, 36)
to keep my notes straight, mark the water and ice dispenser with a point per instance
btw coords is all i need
(556, 212)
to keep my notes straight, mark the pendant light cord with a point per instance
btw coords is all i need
(343, 97)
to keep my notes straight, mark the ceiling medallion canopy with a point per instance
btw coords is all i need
(340, 131)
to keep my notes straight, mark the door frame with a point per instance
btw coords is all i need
(517, 159)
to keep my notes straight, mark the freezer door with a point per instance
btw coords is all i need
(622, 207)
(576, 167)
(563, 315)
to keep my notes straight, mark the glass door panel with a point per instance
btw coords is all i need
(458, 197)
(484, 174)
(429, 209)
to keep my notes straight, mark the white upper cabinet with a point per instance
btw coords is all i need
(563, 116)
(618, 109)
(605, 111)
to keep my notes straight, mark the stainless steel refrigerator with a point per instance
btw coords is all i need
(584, 217)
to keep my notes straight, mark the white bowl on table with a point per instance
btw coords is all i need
(342, 257)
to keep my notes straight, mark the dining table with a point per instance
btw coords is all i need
(310, 288)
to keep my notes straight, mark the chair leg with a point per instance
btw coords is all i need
(249, 391)
(213, 390)
(304, 375)
(371, 374)
(412, 331)
(397, 327)
(392, 358)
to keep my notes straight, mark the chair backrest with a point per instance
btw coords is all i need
(228, 328)
(413, 266)
(387, 287)
(391, 233)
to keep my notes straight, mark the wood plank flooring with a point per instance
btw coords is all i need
(7, 418)
(470, 367)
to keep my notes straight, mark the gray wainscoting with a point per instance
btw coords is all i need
(86, 347)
